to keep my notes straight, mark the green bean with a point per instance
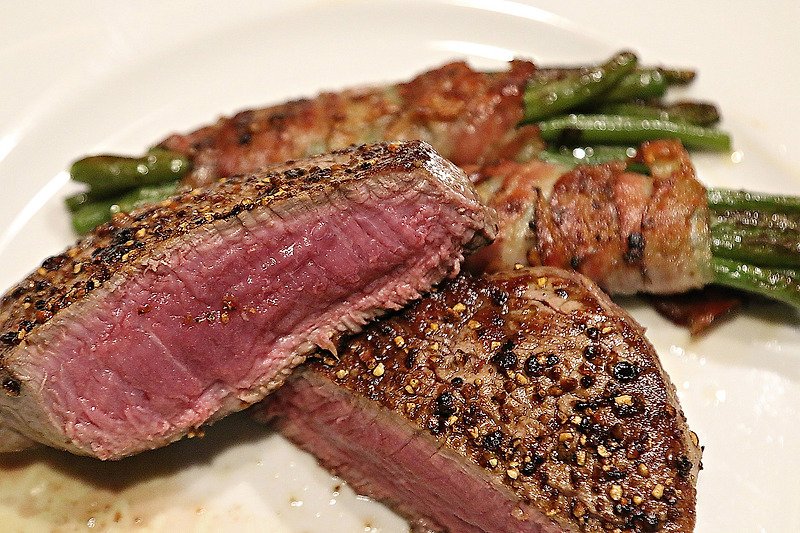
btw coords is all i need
(548, 97)
(589, 155)
(108, 175)
(76, 201)
(727, 199)
(678, 76)
(693, 112)
(88, 216)
(673, 76)
(776, 222)
(615, 129)
(774, 283)
(640, 84)
(698, 113)
(756, 245)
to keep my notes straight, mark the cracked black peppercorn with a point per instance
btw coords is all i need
(54, 262)
(615, 474)
(623, 509)
(505, 358)
(445, 405)
(11, 386)
(684, 466)
(582, 406)
(533, 367)
(527, 468)
(592, 352)
(646, 522)
(498, 297)
(636, 244)
(493, 440)
(10, 337)
(625, 371)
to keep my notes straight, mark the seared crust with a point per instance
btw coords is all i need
(538, 378)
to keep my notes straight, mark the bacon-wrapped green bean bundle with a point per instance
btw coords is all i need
(629, 232)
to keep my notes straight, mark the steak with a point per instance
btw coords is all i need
(521, 401)
(175, 315)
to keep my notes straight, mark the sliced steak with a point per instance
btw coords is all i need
(178, 314)
(522, 401)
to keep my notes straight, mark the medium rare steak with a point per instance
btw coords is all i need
(522, 401)
(175, 315)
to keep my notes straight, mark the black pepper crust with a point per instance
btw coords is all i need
(538, 378)
(129, 240)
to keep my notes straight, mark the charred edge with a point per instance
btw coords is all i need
(11, 387)
(636, 245)
(684, 466)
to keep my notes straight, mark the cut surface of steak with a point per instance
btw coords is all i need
(522, 401)
(177, 314)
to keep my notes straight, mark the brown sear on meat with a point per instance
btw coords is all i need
(520, 401)
(628, 232)
(469, 117)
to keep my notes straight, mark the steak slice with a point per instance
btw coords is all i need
(178, 314)
(522, 401)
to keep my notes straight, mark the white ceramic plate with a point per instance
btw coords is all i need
(82, 78)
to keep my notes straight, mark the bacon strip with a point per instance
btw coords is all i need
(469, 117)
(696, 310)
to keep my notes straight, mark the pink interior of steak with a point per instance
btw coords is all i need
(213, 326)
(396, 462)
